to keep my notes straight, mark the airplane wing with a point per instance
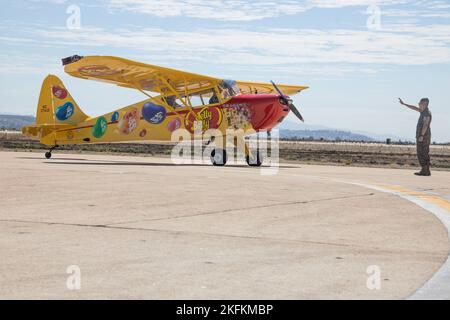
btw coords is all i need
(136, 75)
(267, 88)
(141, 76)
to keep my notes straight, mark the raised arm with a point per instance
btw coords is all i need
(409, 106)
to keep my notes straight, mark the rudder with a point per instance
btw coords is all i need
(56, 109)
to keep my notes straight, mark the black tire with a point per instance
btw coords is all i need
(219, 157)
(48, 155)
(255, 162)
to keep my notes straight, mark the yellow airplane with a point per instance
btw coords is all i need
(183, 99)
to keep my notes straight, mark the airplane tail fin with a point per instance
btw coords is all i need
(56, 110)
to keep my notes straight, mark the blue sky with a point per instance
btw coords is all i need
(358, 56)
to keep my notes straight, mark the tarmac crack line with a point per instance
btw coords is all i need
(289, 203)
(373, 250)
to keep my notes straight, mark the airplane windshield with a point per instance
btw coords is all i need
(229, 89)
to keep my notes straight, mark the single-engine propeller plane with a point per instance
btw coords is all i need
(182, 99)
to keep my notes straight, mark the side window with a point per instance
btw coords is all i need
(173, 102)
(196, 100)
(203, 98)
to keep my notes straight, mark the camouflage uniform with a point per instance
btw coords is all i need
(423, 148)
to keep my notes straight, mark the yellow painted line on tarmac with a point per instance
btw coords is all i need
(434, 199)
(438, 287)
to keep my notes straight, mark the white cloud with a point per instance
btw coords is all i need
(341, 50)
(26, 65)
(395, 45)
(51, 1)
(234, 10)
(355, 3)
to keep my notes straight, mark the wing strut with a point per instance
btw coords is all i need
(174, 91)
(184, 101)
(154, 100)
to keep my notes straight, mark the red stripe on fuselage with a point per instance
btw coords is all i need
(266, 110)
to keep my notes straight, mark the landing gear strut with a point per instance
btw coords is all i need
(219, 157)
(255, 159)
(48, 154)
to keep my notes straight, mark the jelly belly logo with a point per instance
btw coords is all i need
(65, 111)
(211, 118)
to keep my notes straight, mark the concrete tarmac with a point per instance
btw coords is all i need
(143, 228)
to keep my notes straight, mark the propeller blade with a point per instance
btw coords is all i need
(280, 92)
(296, 112)
(288, 102)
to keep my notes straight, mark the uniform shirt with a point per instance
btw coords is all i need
(424, 116)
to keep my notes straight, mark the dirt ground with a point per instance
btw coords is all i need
(336, 153)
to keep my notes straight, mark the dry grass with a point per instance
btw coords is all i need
(361, 154)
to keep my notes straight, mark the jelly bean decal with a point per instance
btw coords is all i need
(59, 92)
(100, 127)
(153, 113)
(129, 122)
(143, 133)
(65, 111)
(115, 117)
(174, 125)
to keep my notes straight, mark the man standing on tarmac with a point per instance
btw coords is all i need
(423, 135)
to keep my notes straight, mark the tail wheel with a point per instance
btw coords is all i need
(48, 155)
(255, 160)
(219, 157)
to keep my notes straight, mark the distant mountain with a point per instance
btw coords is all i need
(289, 125)
(291, 130)
(12, 122)
(331, 135)
(383, 137)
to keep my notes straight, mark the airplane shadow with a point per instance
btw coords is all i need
(91, 162)
(139, 164)
(43, 158)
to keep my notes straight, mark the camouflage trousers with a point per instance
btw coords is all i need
(423, 151)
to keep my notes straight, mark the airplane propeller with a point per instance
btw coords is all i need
(288, 101)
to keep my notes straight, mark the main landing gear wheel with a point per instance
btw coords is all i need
(219, 157)
(254, 161)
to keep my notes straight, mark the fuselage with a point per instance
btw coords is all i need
(152, 121)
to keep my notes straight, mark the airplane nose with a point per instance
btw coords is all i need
(269, 113)
(288, 101)
(283, 105)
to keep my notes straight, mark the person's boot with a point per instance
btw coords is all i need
(425, 172)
